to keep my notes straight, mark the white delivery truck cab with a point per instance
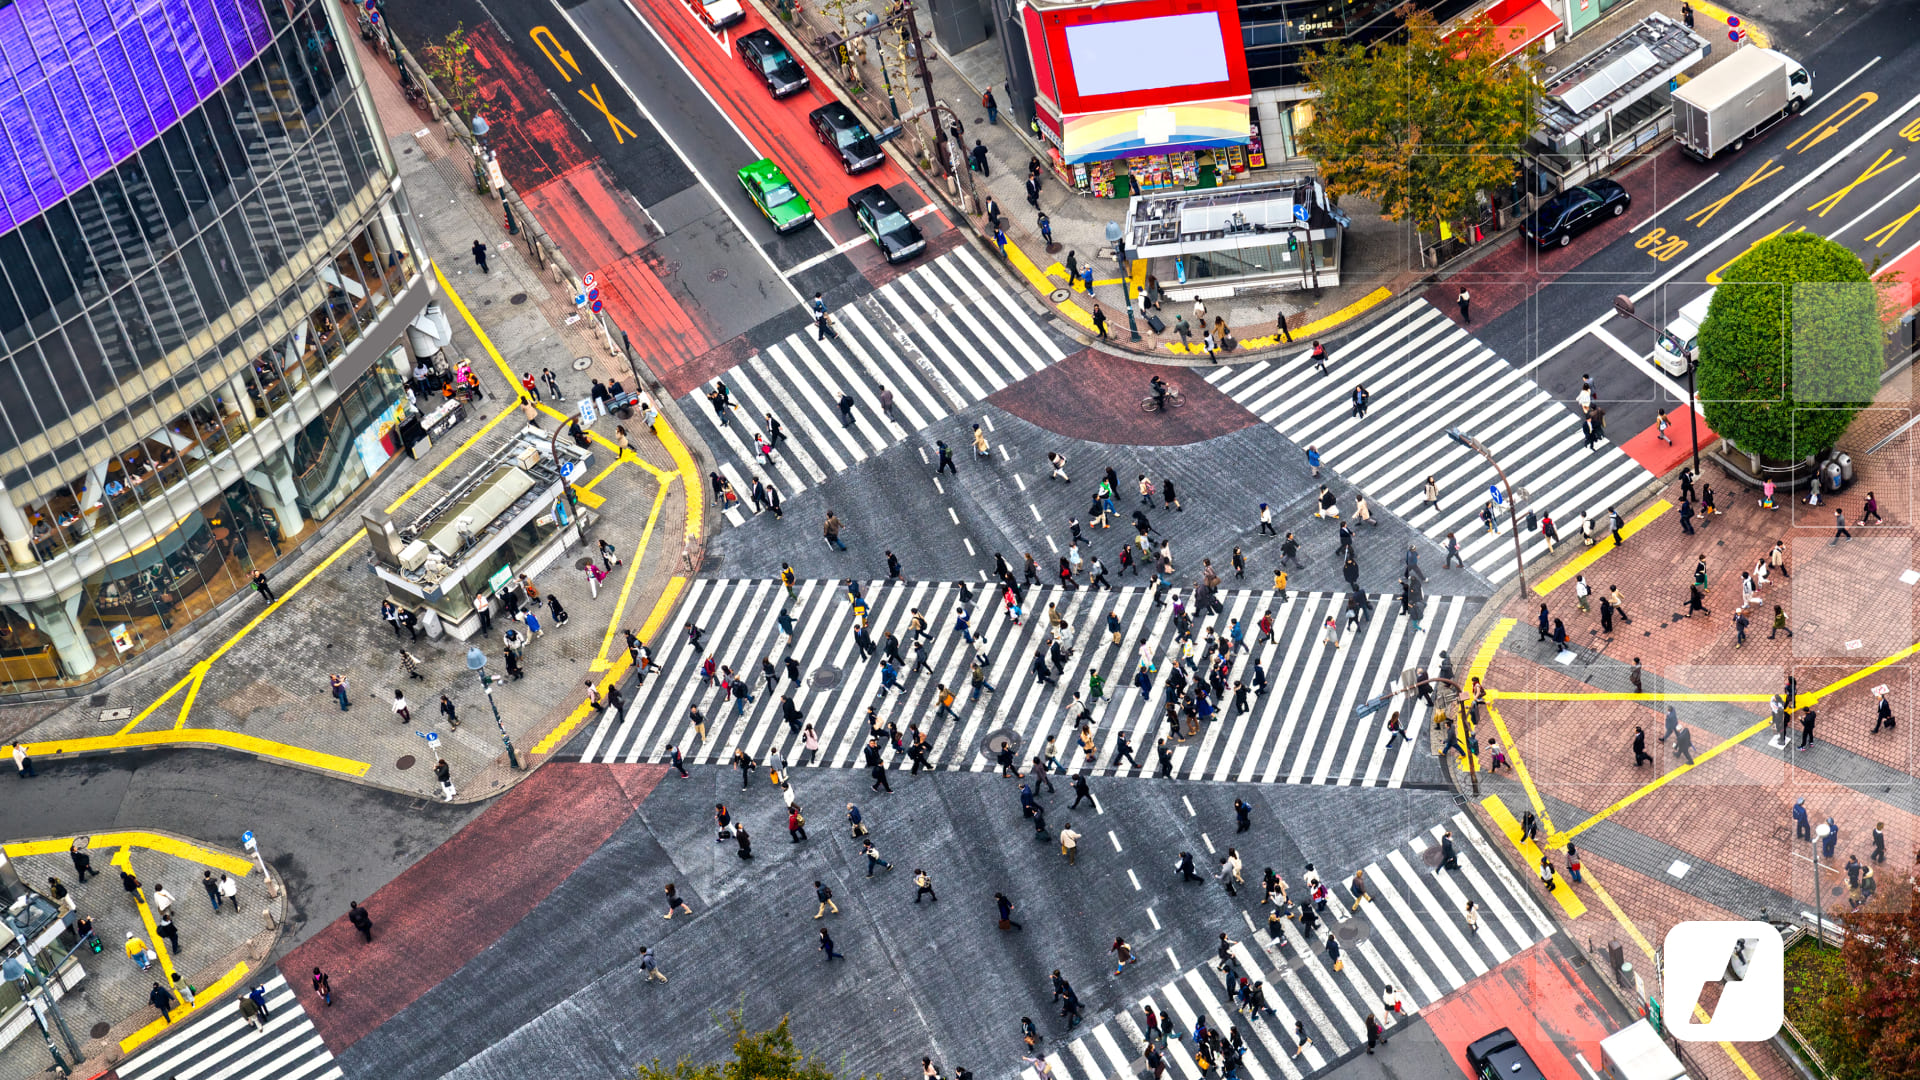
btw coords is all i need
(1736, 99)
(1636, 1052)
(1679, 345)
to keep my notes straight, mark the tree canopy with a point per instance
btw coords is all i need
(1875, 1009)
(1791, 347)
(1418, 124)
(762, 1055)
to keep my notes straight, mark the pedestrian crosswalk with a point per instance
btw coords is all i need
(934, 341)
(218, 1044)
(1425, 375)
(1303, 730)
(1412, 936)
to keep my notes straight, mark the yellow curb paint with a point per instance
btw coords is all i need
(601, 475)
(695, 491)
(237, 865)
(1482, 661)
(618, 668)
(1318, 326)
(141, 717)
(230, 740)
(1646, 947)
(1604, 695)
(589, 500)
(600, 662)
(1040, 281)
(203, 998)
(1569, 901)
(1652, 786)
(1579, 563)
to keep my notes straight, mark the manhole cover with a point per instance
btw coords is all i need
(719, 274)
(994, 741)
(108, 716)
(405, 762)
(1351, 931)
(582, 363)
(517, 298)
(825, 678)
(99, 1031)
(1836, 891)
(1059, 296)
(583, 562)
(1431, 856)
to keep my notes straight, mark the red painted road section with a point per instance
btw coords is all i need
(778, 129)
(1095, 397)
(1505, 279)
(1541, 998)
(448, 907)
(598, 226)
(1657, 457)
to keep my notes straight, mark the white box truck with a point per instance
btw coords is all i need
(1737, 99)
(1636, 1052)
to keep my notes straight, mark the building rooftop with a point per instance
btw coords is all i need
(1619, 73)
(1187, 217)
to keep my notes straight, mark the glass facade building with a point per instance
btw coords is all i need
(206, 272)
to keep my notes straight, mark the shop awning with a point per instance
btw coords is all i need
(1164, 129)
(1516, 24)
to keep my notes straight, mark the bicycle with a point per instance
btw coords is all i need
(1174, 401)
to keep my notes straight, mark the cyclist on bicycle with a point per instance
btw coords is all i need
(1159, 388)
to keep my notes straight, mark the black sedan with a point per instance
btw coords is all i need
(880, 216)
(837, 127)
(769, 59)
(1499, 1056)
(1576, 210)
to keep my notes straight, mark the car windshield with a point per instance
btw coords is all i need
(779, 193)
(847, 136)
(892, 222)
(773, 60)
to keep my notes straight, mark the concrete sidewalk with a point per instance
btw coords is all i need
(255, 681)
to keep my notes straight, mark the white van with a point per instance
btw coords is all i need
(1681, 339)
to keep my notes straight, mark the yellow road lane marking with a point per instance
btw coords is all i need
(1870, 670)
(1510, 828)
(601, 475)
(600, 662)
(1579, 563)
(1656, 784)
(1318, 326)
(230, 740)
(203, 998)
(238, 866)
(1646, 947)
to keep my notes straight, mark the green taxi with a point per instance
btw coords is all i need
(773, 193)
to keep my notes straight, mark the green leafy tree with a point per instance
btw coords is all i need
(1791, 347)
(1418, 124)
(1872, 1015)
(450, 64)
(762, 1055)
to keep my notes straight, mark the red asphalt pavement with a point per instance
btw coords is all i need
(450, 906)
(1538, 995)
(1095, 397)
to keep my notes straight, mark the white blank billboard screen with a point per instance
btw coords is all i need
(1147, 54)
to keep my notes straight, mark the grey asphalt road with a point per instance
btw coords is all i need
(331, 842)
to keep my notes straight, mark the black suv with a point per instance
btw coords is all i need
(1576, 210)
(776, 67)
(836, 126)
(877, 213)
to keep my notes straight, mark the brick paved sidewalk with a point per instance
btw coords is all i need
(270, 680)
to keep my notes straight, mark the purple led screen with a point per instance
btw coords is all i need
(85, 83)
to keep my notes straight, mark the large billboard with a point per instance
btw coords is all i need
(85, 83)
(1145, 77)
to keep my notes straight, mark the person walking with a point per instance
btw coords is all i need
(1640, 755)
(826, 946)
(249, 1010)
(480, 257)
(873, 857)
(1839, 527)
(1464, 299)
(923, 886)
(1807, 718)
(1070, 844)
(362, 921)
(1683, 743)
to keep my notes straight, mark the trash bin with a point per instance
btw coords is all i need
(1845, 461)
(1831, 478)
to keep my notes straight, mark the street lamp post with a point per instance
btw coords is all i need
(1513, 516)
(1623, 306)
(1819, 909)
(477, 663)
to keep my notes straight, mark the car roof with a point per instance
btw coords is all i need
(1693, 313)
(838, 113)
(1492, 1041)
(876, 196)
(763, 38)
(764, 171)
